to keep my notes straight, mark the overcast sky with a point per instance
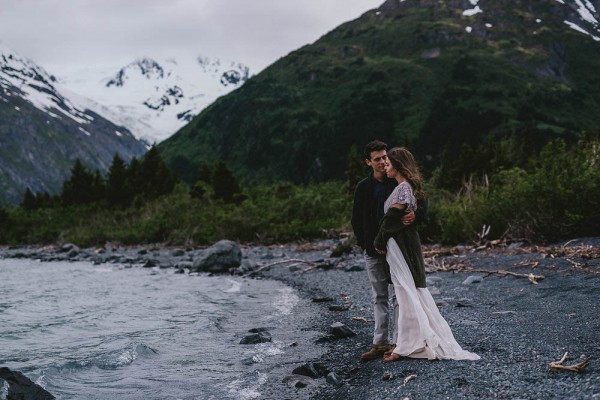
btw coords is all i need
(70, 33)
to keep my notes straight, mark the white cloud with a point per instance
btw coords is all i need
(258, 32)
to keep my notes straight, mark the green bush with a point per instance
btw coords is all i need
(556, 195)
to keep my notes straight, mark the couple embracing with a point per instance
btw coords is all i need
(387, 205)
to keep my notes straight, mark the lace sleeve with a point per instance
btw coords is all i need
(403, 194)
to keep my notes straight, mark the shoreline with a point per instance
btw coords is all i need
(517, 327)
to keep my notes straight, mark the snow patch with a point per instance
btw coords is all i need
(468, 29)
(585, 11)
(488, 25)
(84, 131)
(580, 29)
(472, 11)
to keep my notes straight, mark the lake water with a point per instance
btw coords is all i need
(86, 331)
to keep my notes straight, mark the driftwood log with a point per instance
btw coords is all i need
(579, 367)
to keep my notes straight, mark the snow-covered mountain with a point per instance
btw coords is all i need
(154, 97)
(42, 131)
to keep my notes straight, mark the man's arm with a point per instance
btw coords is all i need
(421, 215)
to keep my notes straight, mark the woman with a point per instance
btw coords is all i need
(422, 331)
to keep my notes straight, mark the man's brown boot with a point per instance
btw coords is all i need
(377, 351)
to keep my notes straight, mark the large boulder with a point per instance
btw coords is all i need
(21, 387)
(219, 258)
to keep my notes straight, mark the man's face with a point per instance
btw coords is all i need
(377, 161)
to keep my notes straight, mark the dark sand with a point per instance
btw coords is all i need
(516, 327)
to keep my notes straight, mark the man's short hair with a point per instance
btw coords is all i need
(375, 145)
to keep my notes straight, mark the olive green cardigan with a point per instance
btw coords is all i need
(408, 240)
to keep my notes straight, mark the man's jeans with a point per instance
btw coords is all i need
(383, 295)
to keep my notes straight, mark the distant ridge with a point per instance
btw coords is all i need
(434, 75)
(43, 131)
(154, 97)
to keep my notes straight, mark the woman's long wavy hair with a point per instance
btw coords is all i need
(403, 161)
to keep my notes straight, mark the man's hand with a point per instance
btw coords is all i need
(408, 218)
(380, 251)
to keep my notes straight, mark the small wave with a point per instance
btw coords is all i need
(286, 300)
(248, 389)
(235, 287)
(112, 360)
(124, 357)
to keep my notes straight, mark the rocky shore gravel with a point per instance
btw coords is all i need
(518, 327)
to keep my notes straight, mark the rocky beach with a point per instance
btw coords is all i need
(520, 307)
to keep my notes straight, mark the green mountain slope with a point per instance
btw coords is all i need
(416, 73)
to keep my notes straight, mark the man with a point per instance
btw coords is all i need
(369, 196)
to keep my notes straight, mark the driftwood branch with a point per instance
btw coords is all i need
(296, 261)
(363, 319)
(457, 266)
(579, 367)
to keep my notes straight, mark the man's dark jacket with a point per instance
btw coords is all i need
(365, 222)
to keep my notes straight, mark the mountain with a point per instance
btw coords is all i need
(154, 97)
(446, 78)
(42, 131)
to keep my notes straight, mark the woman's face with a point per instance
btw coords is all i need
(390, 171)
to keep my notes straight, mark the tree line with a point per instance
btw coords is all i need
(133, 184)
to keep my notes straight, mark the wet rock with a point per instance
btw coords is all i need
(65, 248)
(322, 299)
(73, 253)
(297, 381)
(333, 379)
(184, 264)
(219, 258)
(312, 370)
(255, 338)
(433, 280)
(442, 303)
(472, 279)
(434, 290)
(354, 268)
(22, 388)
(149, 264)
(251, 360)
(388, 376)
(341, 331)
(338, 308)
(247, 267)
(464, 303)
(178, 253)
(258, 330)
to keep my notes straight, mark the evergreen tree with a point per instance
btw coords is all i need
(156, 178)
(224, 183)
(98, 187)
(29, 200)
(5, 225)
(205, 174)
(117, 192)
(355, 171)
(80, 188)
(200, 188)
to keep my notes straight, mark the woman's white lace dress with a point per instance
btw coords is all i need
(422, 331)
